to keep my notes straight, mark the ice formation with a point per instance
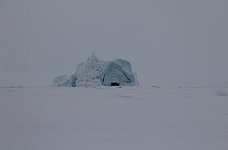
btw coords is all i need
(95, 72)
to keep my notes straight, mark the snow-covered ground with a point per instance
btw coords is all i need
(113, 119)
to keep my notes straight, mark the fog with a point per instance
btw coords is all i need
(168, 43)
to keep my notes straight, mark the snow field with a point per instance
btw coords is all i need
(113, 119)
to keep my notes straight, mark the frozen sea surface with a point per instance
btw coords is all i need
(113, 119)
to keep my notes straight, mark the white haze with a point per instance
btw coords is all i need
(169, 43)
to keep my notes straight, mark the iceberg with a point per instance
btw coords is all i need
(95, 72)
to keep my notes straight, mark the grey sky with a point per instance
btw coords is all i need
(169, 43)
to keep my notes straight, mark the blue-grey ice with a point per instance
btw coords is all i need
(95, 72)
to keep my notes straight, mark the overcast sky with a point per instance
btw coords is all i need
(168, 43)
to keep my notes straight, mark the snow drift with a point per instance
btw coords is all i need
(95, 72)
